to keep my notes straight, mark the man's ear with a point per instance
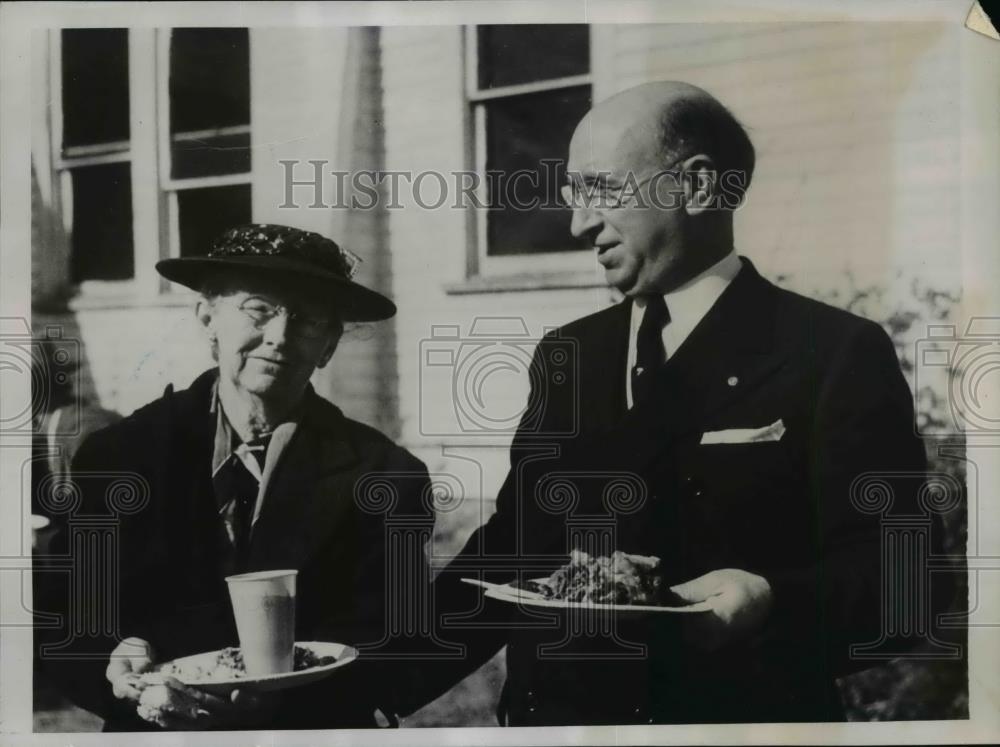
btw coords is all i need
(701, 182)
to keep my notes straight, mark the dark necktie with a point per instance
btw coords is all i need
(238, 484)
(649, 351)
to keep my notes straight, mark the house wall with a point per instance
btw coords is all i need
(316, 96)
(857, 132)
(428, 129)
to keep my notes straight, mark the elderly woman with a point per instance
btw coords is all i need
(248, 469)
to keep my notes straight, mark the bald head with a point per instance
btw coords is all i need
(655, 125)
(639, 111)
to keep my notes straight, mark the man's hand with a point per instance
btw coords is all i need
(740, 603)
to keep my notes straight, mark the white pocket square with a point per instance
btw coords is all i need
(772, 432)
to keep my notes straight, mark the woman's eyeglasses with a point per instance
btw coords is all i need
(261, 312)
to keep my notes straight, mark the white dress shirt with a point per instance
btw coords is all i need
(687, 305)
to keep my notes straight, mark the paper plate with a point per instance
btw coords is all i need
(514, 595)
(344, 655)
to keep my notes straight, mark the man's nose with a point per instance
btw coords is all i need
(585, 220)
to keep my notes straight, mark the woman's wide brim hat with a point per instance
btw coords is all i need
(310, 260)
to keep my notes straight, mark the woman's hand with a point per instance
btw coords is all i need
(127, 662)
(169, 703)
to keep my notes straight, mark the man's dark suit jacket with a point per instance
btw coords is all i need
(782, 509)
(172, 553)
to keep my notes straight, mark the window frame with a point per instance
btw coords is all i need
(170, 186)
(482, 265)
(155, 214)
(65, 159)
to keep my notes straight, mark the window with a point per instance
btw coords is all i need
(151, 138)
(208, 184)
(528, 87)
(95, 155)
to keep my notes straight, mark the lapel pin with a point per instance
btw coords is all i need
(732, 381)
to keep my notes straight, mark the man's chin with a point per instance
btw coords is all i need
(612, 277)
(619, 282)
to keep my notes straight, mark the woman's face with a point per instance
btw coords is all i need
(269, 337)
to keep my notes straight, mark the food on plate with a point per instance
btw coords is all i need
(306, 658)
(228, 665)
(618, 579)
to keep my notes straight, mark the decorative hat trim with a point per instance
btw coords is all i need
(264, 239)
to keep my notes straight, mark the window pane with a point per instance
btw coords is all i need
(101, 241)
(94, 86)
(209, 91)
(509, 55)
(523, 131)
(209, 79)
(209, 156)
(205, 213)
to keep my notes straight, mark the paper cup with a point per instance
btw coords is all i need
(39, 524)
(264, 607)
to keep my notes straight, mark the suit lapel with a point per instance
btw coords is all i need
(728, 355)
(309, 491)
(190, 428)
(191, 527)
(603, 356)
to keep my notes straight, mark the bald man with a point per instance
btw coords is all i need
(711, 420)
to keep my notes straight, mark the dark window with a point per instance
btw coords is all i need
(211, 155)
(101, 240)
(209, 78)
(209, 99)
(509, 55)
(529, 134)
(206, 212)
(209, 132)
(94, 86)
